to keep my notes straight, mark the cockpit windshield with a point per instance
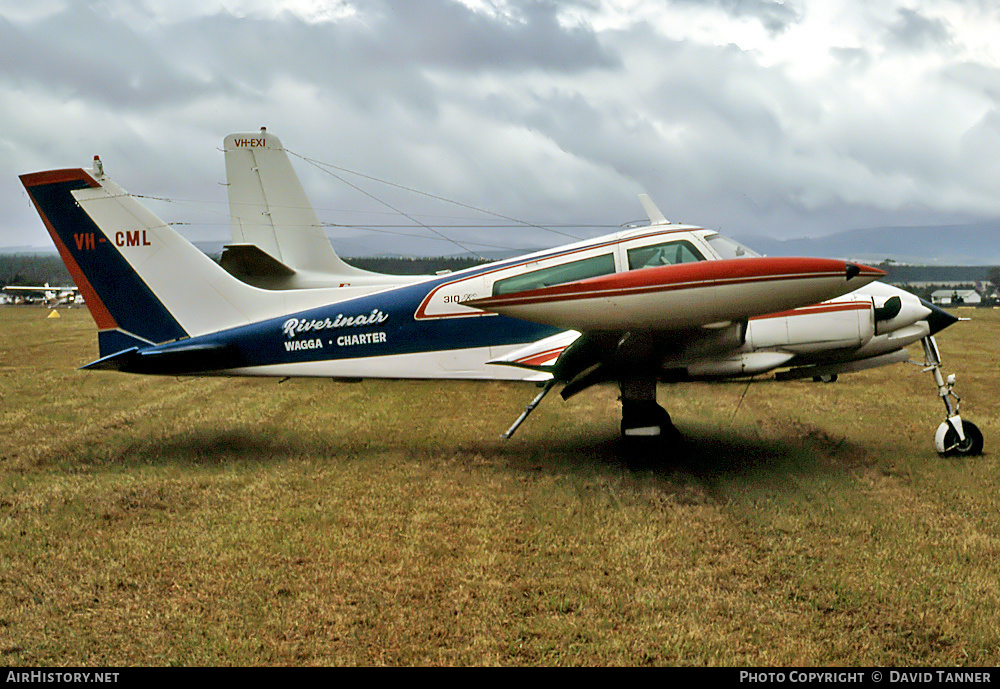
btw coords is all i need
(664, 254)
(730, 248)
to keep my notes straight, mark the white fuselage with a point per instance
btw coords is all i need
(830, 332)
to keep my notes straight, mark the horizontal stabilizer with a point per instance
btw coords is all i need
(249, 262)
(112, 362)
(167, 360)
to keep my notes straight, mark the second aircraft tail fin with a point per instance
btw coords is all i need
(271, 215)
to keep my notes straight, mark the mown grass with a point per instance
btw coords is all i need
(163, 521)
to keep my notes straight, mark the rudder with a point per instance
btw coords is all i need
(126, 311)
(143, 282)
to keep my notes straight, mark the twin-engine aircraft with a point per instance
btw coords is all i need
(665, 302)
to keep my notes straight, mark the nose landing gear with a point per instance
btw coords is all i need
(954, 437)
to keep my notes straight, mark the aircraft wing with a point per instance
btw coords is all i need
(630, 321)
(684, 296)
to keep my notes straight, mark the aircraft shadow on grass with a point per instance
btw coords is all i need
(711, 456)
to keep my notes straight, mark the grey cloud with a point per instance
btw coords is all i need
(976, 77)
(514, 112)
(773, 15)
(86, 54)
(388, 51)
(448, 34)
(913, 30)
(83, 54)
(707, 94)
(439, 34)
(852, 57)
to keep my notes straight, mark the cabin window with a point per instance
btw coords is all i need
(667, 254)
(730, 248)
(557, 275)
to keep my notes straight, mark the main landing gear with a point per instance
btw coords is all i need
(647, 431)
(648, 434)
(954, 436)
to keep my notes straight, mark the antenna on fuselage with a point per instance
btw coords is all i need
(656, 217)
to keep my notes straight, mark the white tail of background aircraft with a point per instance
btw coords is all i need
(278, 241)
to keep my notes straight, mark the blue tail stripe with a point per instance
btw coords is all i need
(128, 299)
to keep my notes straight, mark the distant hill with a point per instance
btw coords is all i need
(936, 254)
(944, 245)
(937, 275)
(215, 248)
(976, 244)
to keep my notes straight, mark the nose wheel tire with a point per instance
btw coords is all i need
(948, 444)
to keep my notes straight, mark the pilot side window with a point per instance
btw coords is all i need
(556, 275)
(730, 248)
(667, 254)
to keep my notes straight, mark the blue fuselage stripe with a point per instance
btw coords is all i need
(387, 327)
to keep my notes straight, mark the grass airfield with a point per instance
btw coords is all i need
(166, 521)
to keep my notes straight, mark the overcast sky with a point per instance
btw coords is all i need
(788, 119)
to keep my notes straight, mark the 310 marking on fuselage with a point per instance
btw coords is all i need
(458, 298)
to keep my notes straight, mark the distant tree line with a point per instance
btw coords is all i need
(926, 290)
(414, 266)
(33, 269)
(988, 289)
(37, 269)
(993, 278)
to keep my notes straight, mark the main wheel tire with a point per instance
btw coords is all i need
(648, 419)
(970, 447)
(649, 437)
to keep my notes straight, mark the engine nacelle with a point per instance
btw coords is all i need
(840, 324)
(897, 312)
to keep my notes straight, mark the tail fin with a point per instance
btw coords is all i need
(143, 283)
(125, 310)
(278, 242)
